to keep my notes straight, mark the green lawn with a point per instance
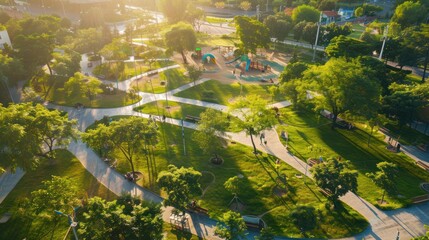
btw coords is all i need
(166, 81)
(104, 100)
(307, 129)
(210, 19)
(216, 92)
(260, 181)
(215, 41)
(175, 110)
(65, 165)
(357, 30)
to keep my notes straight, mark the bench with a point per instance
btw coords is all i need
(422, 165)
(325, 192)
(311, 162)
(192, 118)
(420, 199)
(383, 130)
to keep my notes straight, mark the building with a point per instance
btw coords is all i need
(4, 38)
(330, 17)
(346, 13)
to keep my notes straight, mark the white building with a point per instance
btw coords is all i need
(4, 39)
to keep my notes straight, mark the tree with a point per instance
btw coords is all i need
(333, 30)
(194, 73)
(253, 116)
(80, 85)
(89, 40)
(344, 86)
(343, 46)
(180, 184)
(252, 34)
(151, 56)
(210, 132)
(404, 101)
(195, 16)
(305, 13)
(30, 132)
(231, 226)
(385, 177)
(180, 38)
(359, 12)
(422, 39)
(293, 71)
(127, 134)
(93, 87)
(66, 64)
(298, 29)
(309, 33)
(58, 194)
(125, 218)
(266, 233)
(335, 177)
(294, 91)
(246, 5)
(116, 50)
(409, 13)
(280, 26)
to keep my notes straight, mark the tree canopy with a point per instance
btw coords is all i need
(252, 33)
(253, 116)
(125, 218)
(305, 13)
(344, 86)
(385, 177)
(29, 132)
(231, 226)
(409, 13)
(342, 46)
(181, 37)
(334, 176)
(180, 184)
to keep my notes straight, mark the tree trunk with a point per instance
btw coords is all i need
(253, 143)
(49, 67)
(184, 57)
(382, 197)
(334, 120)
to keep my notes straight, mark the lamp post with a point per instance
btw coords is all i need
(384, 42)
(72, 222)
(317, 36)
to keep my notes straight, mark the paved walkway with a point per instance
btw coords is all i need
(8, 181)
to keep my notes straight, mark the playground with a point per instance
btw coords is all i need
(221, 64)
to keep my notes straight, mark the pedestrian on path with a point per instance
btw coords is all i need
(261, 137)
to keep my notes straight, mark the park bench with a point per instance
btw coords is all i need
(311, 162)
(420, 199)
(325, 192)
(253, 222)
(422, 165)
(192, 118)
(383, 130)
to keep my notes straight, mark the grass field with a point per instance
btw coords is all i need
(176, 110)
(216, 92)
(165, 81)
(264, 189)
(357, 30)
(311, 136)
(56, 95)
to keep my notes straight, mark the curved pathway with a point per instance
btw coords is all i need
(407, 222)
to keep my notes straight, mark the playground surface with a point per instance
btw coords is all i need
(220, 64)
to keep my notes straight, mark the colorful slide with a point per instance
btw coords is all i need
(248, 64)
(233, 60)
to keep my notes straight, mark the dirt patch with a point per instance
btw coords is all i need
(278, 191)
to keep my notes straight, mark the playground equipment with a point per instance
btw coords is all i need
(247, 64)
(208, 57)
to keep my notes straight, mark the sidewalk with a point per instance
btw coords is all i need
(8, 181)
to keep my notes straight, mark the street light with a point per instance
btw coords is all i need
(71, 219)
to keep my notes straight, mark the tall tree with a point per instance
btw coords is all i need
(58, 194)
(280, 26)
(180, 184)
(344, 86)
(334, 176)
(231, 226)
(385, 177)
(127, 134)
(194, 73)
(125, 218)
(343, 46)
(29, 132)
(210, 132)
(309, 33)
(252, 34)
(409, 13)
(253, 116)
(66, 64)
(305, 13)
(180, 38)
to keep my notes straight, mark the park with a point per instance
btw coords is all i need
(188, 126)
